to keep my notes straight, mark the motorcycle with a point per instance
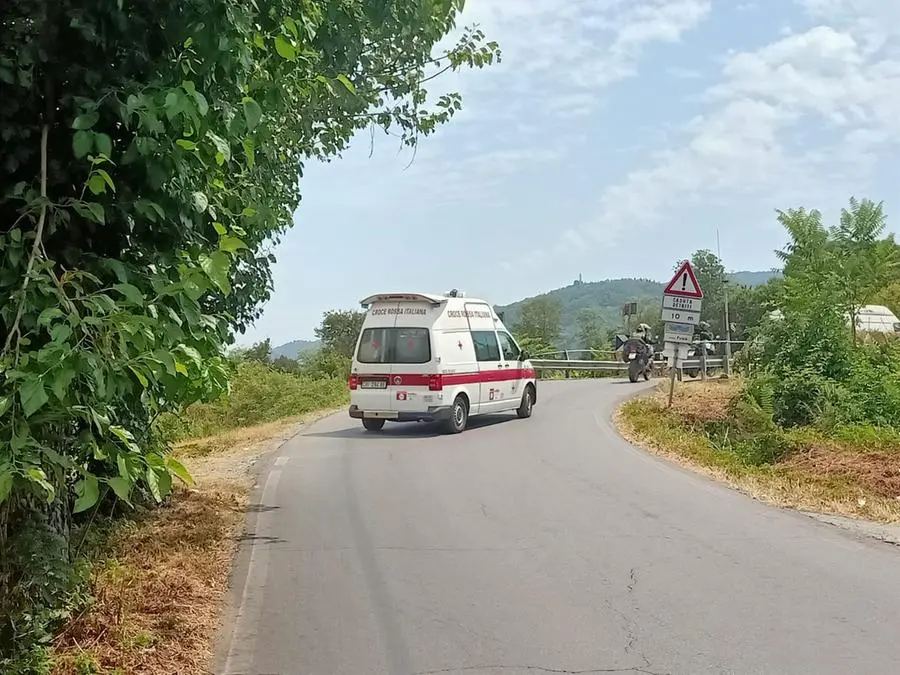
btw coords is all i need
(694, 355)
(639, 357)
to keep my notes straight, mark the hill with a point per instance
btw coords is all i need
(753, 278)
(293, 349)
(607, 297)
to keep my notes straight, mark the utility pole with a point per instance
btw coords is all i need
(727, 318)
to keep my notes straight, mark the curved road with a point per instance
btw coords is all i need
(535, 546)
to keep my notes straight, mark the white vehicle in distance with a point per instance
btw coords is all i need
(443, 358)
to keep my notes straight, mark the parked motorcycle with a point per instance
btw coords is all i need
(639, 357)
(693, 354)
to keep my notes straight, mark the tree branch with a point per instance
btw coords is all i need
(39, 233)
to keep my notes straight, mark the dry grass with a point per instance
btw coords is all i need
(159, 582)
(823, 475)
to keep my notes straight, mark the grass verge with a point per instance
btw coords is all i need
(849, 472)
(158, 578)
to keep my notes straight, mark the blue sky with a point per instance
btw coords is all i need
(614, 138)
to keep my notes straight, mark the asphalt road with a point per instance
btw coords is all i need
(542, 546)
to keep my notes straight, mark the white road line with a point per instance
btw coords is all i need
(281, 461)
(241, 650)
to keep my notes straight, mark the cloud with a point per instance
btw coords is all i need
(558, 57)
(576, 47)
(826, 83)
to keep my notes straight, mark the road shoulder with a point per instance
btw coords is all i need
(163, 582)
(835, 483)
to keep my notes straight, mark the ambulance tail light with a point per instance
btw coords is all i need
(353, 382)
(435, 382)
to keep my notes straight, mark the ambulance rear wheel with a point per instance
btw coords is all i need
(459, 416)
(372, 424)
(527, 405)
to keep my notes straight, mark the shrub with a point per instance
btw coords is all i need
(749, 431)
(259, 394)
(325, 362)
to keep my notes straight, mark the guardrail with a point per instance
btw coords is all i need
(615, 366)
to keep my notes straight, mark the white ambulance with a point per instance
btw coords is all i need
(423, 357)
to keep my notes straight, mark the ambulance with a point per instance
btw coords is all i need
(436, 358)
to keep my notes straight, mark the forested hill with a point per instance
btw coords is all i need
(293, 349)
(607, 297)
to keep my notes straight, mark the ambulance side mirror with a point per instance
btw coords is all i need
(523, 355)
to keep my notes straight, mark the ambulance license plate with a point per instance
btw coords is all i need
(373, 384)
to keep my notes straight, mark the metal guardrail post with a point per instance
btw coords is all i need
(703, 363)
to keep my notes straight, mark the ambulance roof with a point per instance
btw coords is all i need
(431, 298)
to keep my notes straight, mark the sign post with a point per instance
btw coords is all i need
(681, 302)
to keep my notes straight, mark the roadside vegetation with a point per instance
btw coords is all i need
(815, 420)
(151, 160)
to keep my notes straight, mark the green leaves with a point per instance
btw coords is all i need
(201, 201)
(285, 49)
(86, 120)
(88, 493)
(179, 470)
(32, 396)
(223, 150)
(37, 476)
(159, 480)
(6, 482)
(99, 181)
(131, 293)
(93, 211)
(231, 244)
(217, 267)
(347, 83)
(47, 317)
(82, 142)
(121, 486)
(103, 143)
(252, 112)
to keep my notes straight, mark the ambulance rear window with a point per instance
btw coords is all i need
(394, 345)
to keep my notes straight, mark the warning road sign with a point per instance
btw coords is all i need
(684, 283)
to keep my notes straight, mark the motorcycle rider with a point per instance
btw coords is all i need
(703, 332)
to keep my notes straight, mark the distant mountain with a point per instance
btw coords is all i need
(754, 278)
(293, 349)
(607, 297)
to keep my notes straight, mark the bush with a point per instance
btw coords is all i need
(325, 362)
(749, 431)
(259, 394)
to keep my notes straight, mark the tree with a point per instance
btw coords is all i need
(151, 160)
(867, 263)
(261, 352)
(889, 296)
(340, 329)
(286, 364)
(540, 320)
(591, 333)
(712, 278)
(846, 266)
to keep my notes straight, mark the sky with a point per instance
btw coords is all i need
(614, 138)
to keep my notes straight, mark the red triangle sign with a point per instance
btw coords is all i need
(684, 283)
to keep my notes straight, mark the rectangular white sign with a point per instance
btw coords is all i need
(682, 304)
(672, 349)
(680, 316)
(679, 332)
